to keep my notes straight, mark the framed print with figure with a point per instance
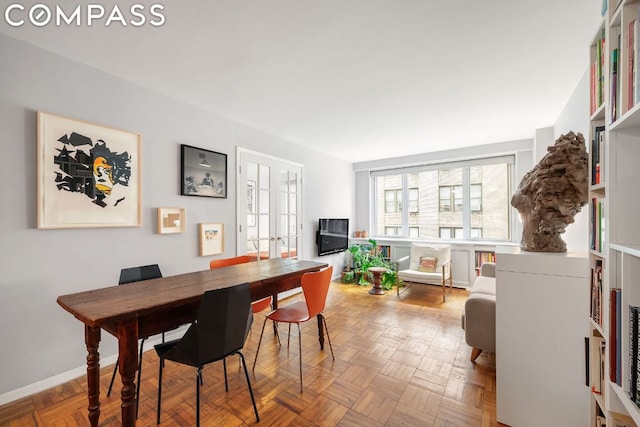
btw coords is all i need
(203, 173)
(88, 175)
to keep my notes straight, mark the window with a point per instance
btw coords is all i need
(451, 233)
(451, 197)
(392, 231)
(461, 200)
(475, 200)
(393, 201)
(413, 200)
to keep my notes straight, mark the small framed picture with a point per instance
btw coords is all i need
(211, 238)
(203, 173)
(171, 220)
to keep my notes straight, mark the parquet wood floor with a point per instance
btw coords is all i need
(399, 362)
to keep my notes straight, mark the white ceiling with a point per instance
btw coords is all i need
(359, 79)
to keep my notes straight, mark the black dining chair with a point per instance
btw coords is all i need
(131, 275)
(222, 324)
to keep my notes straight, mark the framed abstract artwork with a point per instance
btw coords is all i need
(171, 220)
(203, 173)
(211, 239)
(88, 175)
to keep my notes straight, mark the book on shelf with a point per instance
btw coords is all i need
(633, 353)
(619, 337)
(613, 96)
(596, 292)
(597, 154)
(600, 68)
(614, 336)
(586, 362)
(596, 76)
(597, 224)
(597, 364)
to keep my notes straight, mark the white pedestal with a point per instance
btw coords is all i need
(542, 309)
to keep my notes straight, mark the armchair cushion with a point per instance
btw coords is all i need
(428, 264)
(421, 277)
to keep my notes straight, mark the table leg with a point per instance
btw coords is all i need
(92, 340)
(320, 331)
(128, 350)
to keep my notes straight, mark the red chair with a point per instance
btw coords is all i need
(256, 306)
(315, 287)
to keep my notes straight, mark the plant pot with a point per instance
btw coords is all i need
(347, 276)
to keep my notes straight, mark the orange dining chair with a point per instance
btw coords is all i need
(256, 306)
(315, 287)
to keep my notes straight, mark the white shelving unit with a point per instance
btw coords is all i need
(542, 303)
(618, 243)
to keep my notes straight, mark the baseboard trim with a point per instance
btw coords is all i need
(78, 372)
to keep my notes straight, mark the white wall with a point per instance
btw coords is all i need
(40, 339)
(575, 117)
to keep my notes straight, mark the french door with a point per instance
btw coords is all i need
(269, 206)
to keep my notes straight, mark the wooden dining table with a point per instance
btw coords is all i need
(152, 306)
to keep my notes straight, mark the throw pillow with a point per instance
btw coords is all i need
(428, 264)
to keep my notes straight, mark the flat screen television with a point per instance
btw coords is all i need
(333, 235)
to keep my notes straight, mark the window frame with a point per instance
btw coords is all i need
(509, 160)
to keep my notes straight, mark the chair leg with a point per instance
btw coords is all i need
(113, 376)
(160, 365)
(259, 342)
(475, 353)
(275, 330)
(289, 336)
(328, 337)
(299, 352)
(198, 382)
(224, 366)
(246, 374)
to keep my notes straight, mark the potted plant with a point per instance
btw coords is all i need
(365, 256)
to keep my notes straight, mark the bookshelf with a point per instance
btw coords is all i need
(385, 251)
(614, 256)
(482, 256)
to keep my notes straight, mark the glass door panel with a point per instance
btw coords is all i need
(269, 223)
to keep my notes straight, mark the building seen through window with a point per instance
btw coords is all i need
(468, 200)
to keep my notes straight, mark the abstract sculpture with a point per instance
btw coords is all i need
(552, 193)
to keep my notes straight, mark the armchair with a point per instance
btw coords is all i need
(429, 264)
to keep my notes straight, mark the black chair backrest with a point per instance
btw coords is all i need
(136, 274)
(220, 328)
